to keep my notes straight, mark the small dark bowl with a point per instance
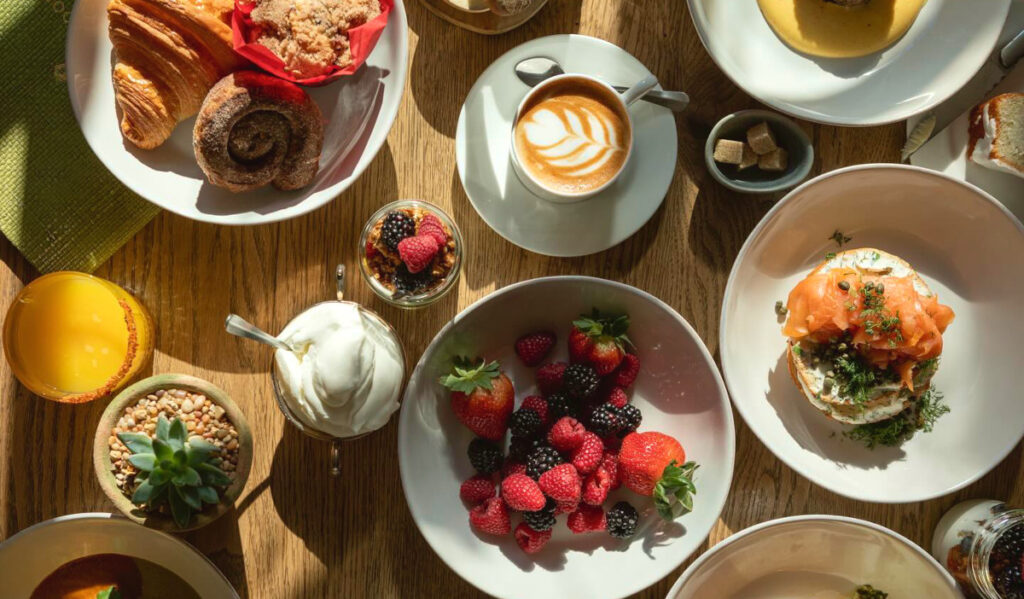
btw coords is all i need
(753, 180)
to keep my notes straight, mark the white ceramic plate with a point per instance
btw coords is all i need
(814, 556)
(679, 392)
(40, 549)
(594, 225)
(968, 248)
(946, 45)
(359, 110)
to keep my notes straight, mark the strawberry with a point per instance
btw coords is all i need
(491, 517)
(512, 467)
(534, 347)
(626, 373)
(431, 226)
(587, 518)
(596, 486)
(417, 252)
(653, 464)
(522, 493)
(589, 454)
(617, 397)
(477, 489)
(549, 377)
(537, 404)
(482, 398)
(529, 540)
(599, 340)
(561, 483)
(566, 434)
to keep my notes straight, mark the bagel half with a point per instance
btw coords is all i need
(886, 400)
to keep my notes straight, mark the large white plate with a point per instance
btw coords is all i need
(40, 549)
(968, 248)
(594, 225)
(359, 110)
(679, 392)
(946, 45)
(814, 556)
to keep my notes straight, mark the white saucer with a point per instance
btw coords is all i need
(970, 251)
(594, 225)
(359, 111)
(943, 49)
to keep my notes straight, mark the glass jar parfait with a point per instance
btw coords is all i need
(410, 253)
(981, 543)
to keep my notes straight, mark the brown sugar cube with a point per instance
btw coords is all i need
(728, 151)
(749, 157)
(761, 139)
(776, 160)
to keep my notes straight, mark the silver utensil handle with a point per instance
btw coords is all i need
(1012, 51)
(675, 101)
(240, 327)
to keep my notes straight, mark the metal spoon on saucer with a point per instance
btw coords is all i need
(532, 71)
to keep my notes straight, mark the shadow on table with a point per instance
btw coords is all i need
(221, 542)
(448, 58)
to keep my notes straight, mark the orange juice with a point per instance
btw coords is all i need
(73, 337)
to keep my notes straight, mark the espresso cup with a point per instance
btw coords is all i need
(565, 151)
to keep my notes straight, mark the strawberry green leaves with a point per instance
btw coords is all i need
(467, 376)
(673, 494)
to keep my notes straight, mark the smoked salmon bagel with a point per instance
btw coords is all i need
(864, 335)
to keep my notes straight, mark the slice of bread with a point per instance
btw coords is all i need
(997, 134)
(886, 400)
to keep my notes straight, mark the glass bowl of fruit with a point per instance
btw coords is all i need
(410, 253)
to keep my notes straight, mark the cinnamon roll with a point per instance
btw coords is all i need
(254, 130)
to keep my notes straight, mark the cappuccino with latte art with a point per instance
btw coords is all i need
(573, 136)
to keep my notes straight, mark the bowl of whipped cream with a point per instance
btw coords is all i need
(344, 375)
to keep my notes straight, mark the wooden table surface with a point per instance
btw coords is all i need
(298, 534)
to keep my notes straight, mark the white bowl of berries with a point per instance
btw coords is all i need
(566, 437)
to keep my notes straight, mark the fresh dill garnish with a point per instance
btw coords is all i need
(780, 308)
(921, 416)
(877, 318)
(830, 256)
(839, 238)
(856, 378)
(869, 592)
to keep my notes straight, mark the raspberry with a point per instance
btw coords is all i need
(417, 252)
(530, 540)
(566, 507)
(596, 487)
(537, 404)
(491, 517)
(522, 493)
(549, 377)
(534, 347)
(589, 454)
(625, 375)
(561, 483)
(622, 520)
(371, 251)
(610, 464)
(525, 423)
(617, 397)
(587, 518)
(432, 226)
(566, 434)
(477, 489)
(512, 467)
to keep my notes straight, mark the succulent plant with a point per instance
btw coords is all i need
(174, 470)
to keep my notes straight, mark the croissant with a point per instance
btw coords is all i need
(169, 54)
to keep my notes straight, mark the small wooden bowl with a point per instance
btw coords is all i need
(104, 467)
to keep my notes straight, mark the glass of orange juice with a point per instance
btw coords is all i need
(72, 337)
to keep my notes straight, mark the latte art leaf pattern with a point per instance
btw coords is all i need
(572, 140)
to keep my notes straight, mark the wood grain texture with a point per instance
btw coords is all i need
(487, 23)
(297, 534)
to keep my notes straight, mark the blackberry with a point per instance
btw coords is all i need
(560, 405)
(520, 448)
(396, 227)
(580, 381)
(543, 519)
(629, 418)
(407, 283)
(1004, 563)
(525, 423)
(485, 456)
(622, 520)
(604, 420)
(541, 460)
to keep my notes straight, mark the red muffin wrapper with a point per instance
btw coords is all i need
(362, 40)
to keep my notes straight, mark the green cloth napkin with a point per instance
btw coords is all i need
(58, 204)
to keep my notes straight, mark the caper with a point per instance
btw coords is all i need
(844, 285)
(881, 288)
(842, 346)
(829, 383)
